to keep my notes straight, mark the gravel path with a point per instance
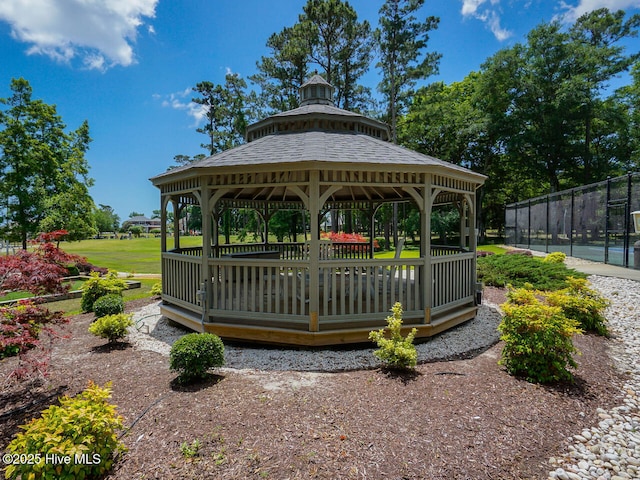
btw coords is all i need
(473, 336)
(611, 449)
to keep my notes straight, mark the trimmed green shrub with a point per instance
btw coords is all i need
(538, 339)
(82, 429)
(397, 351)
(516, 270)
(581, 303)
(194, 354)
(156, 290)
(110, 304)
(98, 286)
(112, 327)
(555, 257)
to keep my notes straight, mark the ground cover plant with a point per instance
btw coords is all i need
(518, 270)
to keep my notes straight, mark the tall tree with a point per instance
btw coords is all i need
(402, 41)
(106, 219)
(40, 165)
(281, 75)
(225, 112)
(594, 39)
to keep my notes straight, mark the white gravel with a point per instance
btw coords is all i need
(471, 337)
(610, 450)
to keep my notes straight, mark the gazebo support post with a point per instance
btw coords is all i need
(205, 277)
(176, 223)
(425, 245)
(314, 250)
(163, 224)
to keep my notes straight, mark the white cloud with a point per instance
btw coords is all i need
(488, 12)
(182, 101)
(573, 12)
(99, 32)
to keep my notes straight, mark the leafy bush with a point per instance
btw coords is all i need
(112, 327)
(516, 270)
(83, 428)
(194, 354)
(111, 304)
(397, 351)
(21, 325)
(555, 257)
(98, 286)
(156, 290)
(581, 303)
(538, 339)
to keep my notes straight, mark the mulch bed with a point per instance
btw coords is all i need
(462, 419)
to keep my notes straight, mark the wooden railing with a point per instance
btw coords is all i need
(276, 291)
(453, 280)
(181, 280)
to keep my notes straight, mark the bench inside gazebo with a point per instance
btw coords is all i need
(314, 159)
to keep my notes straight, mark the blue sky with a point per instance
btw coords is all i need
(127, 66)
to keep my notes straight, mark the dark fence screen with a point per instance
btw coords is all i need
(591, 222)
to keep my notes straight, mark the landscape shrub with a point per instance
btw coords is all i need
(112, 327)
(21, 325)
(516, 270)
(111, 304)
(98, 286)
(156, 290)
(396, 351)
(538, 339)
(83, 427)
(194, 354)
(555, 257)
(581, 303)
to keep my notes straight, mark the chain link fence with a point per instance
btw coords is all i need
(591, 222)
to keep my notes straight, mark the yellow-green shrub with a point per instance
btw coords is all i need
(82, 429)
(538, 339)
(397, 351)
(112, 327)
(555, 257)
(156, 289)
(581, 303)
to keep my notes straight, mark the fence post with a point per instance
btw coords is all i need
(546, 226)
(573, 201)
(529, 224)
(627, 224)
(606, 222)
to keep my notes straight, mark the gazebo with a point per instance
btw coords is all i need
(316, 158)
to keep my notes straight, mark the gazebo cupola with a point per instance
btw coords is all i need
(316, 90)
(310, 160)
(317, 112)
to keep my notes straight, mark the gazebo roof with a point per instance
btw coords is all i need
(317, 135)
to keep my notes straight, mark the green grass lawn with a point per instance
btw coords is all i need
(142, 255)
(136, 255)
(72, 306)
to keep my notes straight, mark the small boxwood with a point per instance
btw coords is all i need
(194, 354)
(110, 304)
